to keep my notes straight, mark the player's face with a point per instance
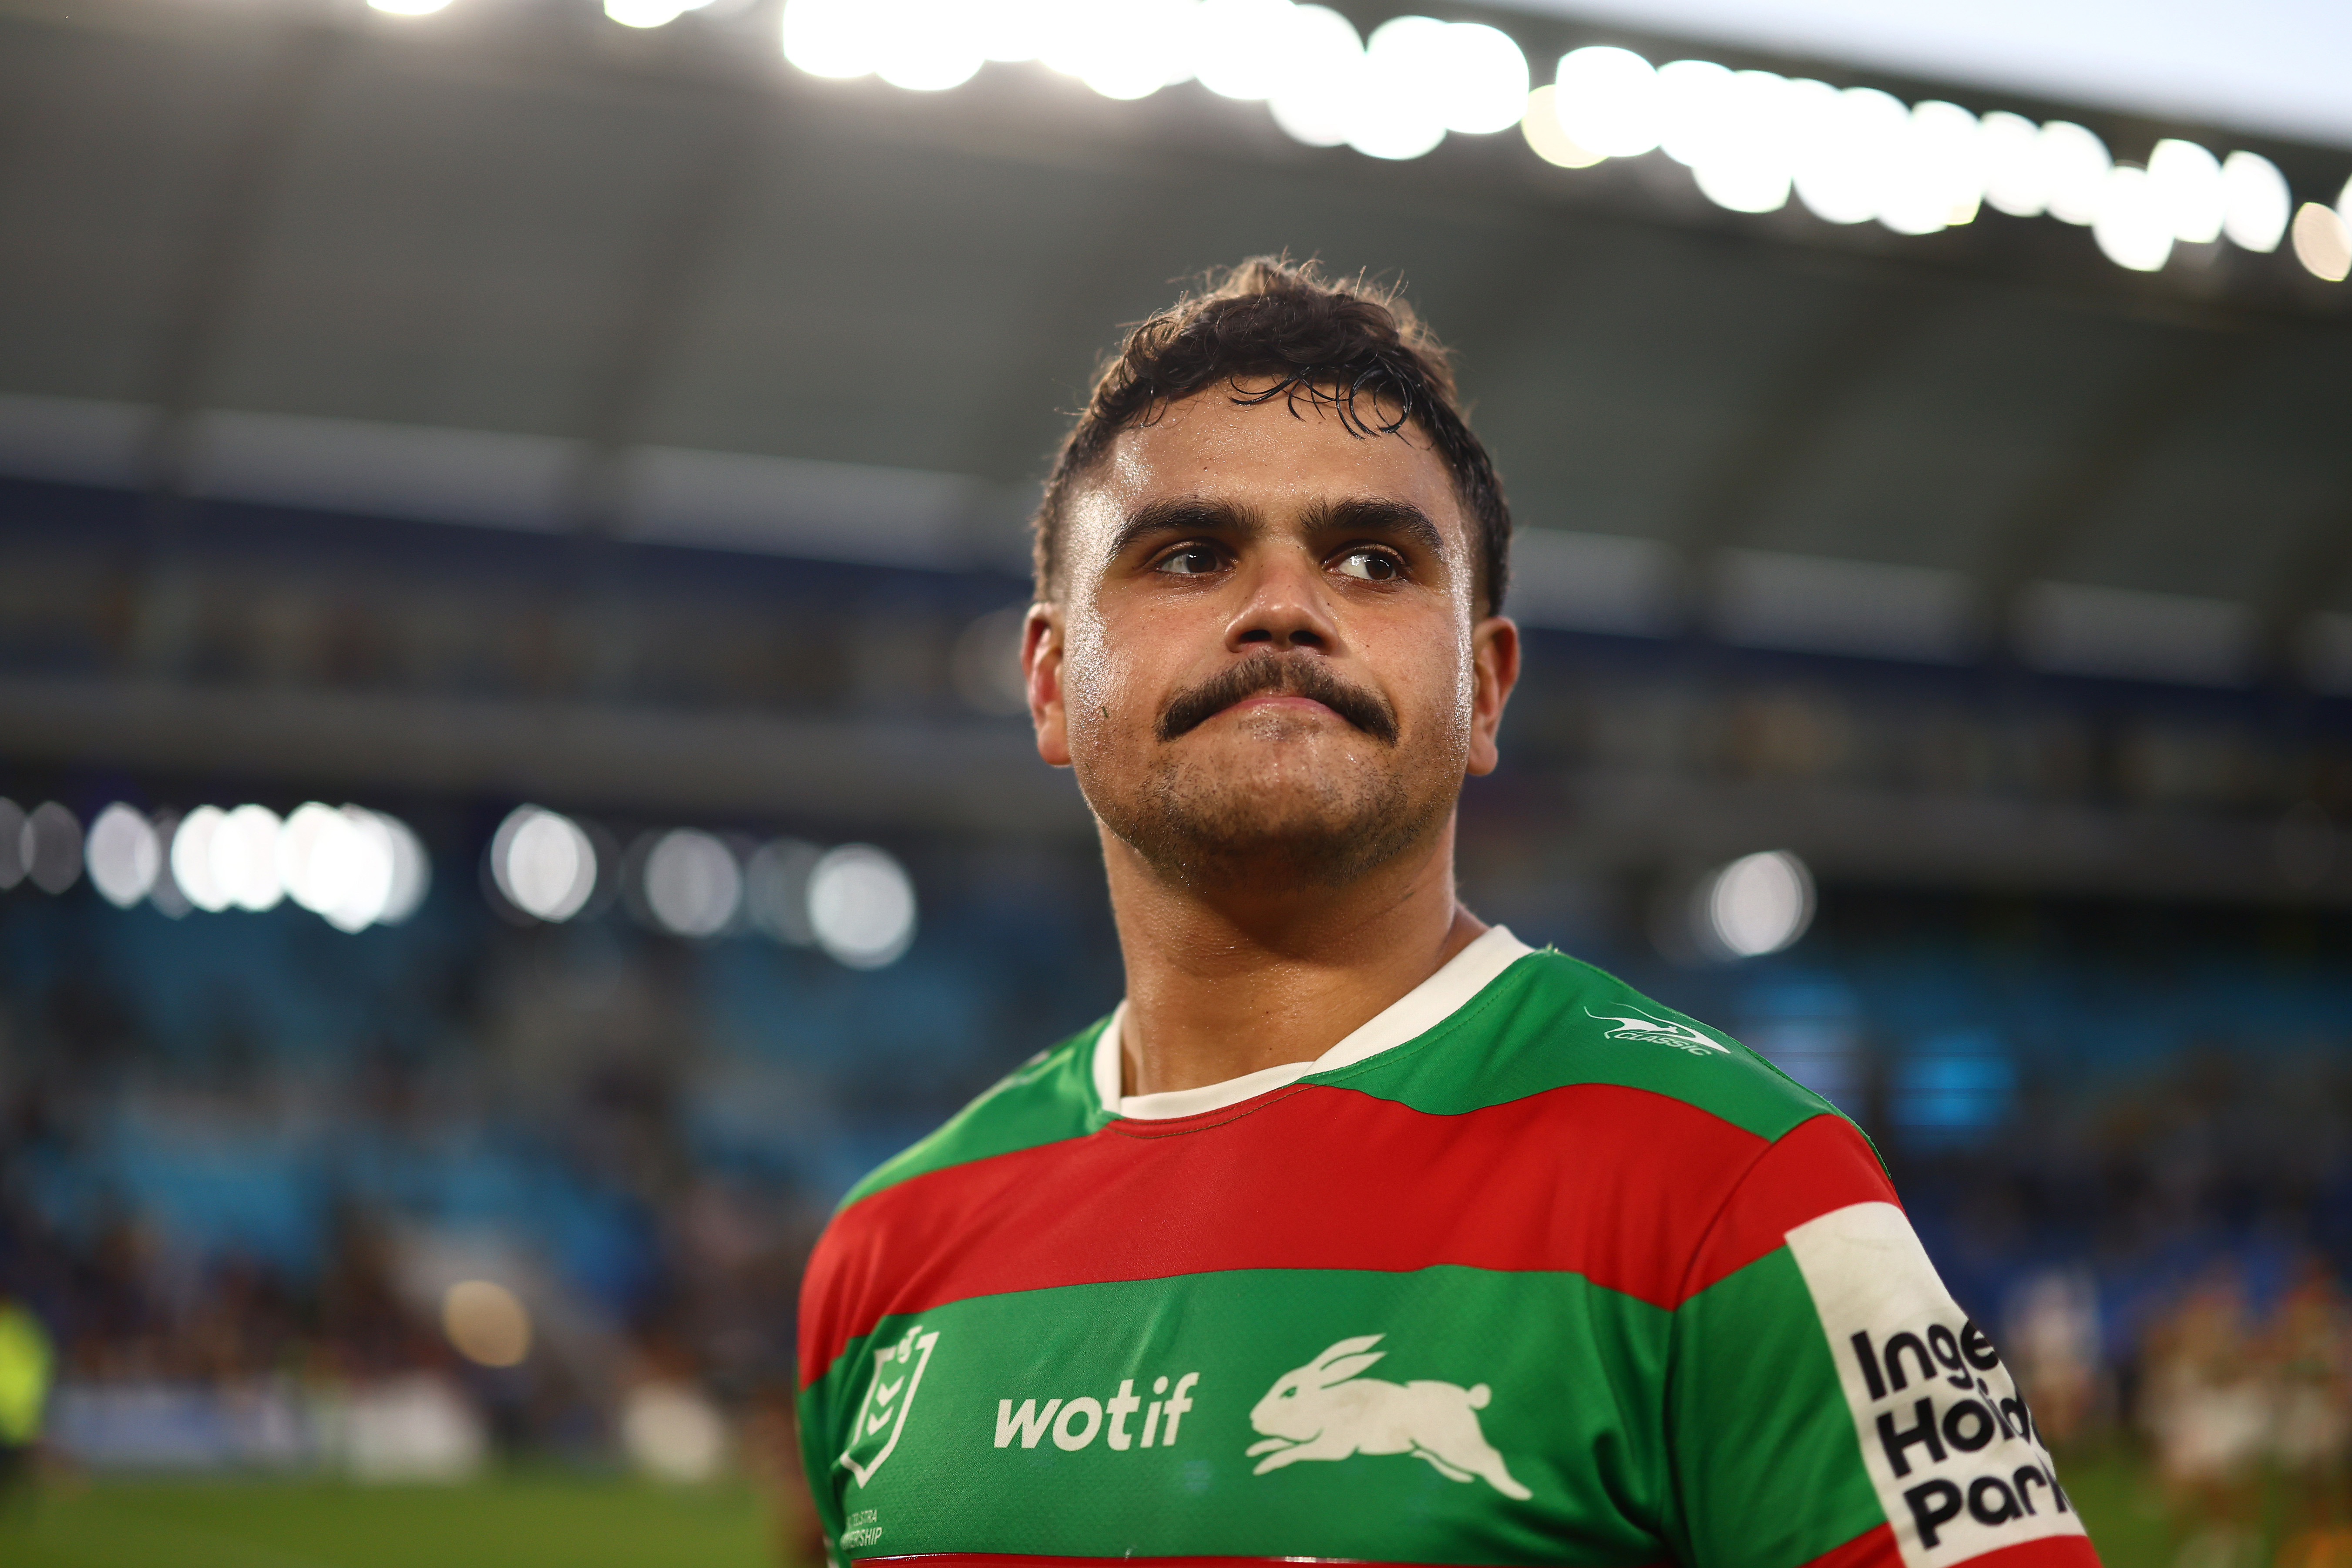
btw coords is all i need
(1268, 659)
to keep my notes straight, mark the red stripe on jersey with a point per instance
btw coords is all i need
(1618, 1185)
(1816, 1166)
(1873, 1548)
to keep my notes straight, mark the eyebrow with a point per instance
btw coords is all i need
(1361, 514)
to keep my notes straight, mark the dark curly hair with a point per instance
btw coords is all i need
(1354, 347)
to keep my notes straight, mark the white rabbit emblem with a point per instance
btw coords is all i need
(1324, 1411)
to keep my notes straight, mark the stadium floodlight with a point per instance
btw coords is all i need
(244, 858)
(49, 846)
(2255, 201)
(775, 889)
(1396, 116)
(1938, 177)
(1241, 47)
(192, 858)
(692, 886)
(408, 8)
(2323, 243)
(830, 38)
(544, 863)
(123, 854)
(930, 46)
(1609, 100)
(2075, 164)
(351, 866)
(1477, 77)
(1849, 151)
(1696, 116)
(2185, 181)
(2016, 182)
(1758, 904)
(2134, 227)
(650, 12)
(1748, 167)
(1545, 134)
(1012, 31)
(1123, 48)
(861, 906)
(1323, 80)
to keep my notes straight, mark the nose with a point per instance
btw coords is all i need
(1287, 608)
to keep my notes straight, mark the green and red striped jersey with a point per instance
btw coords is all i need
(1528, 1269)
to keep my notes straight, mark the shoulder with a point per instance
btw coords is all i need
(1552, 1022)
(1046, 1098)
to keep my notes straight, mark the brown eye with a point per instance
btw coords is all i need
(1371, 566)
(1192, 561)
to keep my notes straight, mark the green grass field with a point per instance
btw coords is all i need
(518, 1521)
(567, 1522)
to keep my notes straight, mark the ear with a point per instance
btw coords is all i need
(1041, 671)
(1495, 663)
(1347, 1366)
(1345, 1347)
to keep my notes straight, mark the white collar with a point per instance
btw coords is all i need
(1411, 1016)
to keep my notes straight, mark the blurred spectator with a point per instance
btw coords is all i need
(26, 1361)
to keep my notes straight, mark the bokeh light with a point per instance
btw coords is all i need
(861, 906)
(2322, 242)
(244, 858)
(2133, 229)
(691, 883)
(1758, 904)
(486, 1323)
(123, 854)
(543, 863)
(1608, 100)
(775, 889)
(191, 859)
(2256, 205)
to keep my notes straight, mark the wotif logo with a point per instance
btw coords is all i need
(1659, 1032)
(1076, 1423)
(1325, 1411)
(889, 1396)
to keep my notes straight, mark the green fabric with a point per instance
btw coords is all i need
(1566, 1371)
(1539, 1029)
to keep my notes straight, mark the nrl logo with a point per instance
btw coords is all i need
(1659, 1032)
(889, 1396)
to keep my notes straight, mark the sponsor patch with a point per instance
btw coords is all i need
(1949, 1441)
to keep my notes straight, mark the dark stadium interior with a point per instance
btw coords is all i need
(514, 408)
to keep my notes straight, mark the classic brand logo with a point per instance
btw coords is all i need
(889, 1396)
(1324, 1411)
(1659, 1032)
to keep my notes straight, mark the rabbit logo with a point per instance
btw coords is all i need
(1325, 1411)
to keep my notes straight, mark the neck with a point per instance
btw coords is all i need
(1227, 980)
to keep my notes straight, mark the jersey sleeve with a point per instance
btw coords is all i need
(1828, 1402)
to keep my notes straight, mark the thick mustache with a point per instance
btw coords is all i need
(1302, 676)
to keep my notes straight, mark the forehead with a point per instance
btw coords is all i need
(1276, 457)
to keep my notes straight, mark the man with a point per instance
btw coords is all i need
(1361, 1230)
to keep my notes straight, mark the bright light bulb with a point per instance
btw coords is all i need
(1758, 904)
(244, 858)
(1938, 177)
(692, 884)
(408, 8)
(1123, 48)
(2323, 243)
(192, 858)
(2255, 201)
(1850, 151)
(123, 854)
(1609, 100)
(2134, 227)
(861, 906)
(1322, 81)
(2075, 164)
(1478, 78)
(1397, 115)
(930, 46)
(1696, 111)
(1239, 47)
(830, 37)
(1747, 167)
(2015, 181)
(2185, 180)
(1544, 133)
(543, 863)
